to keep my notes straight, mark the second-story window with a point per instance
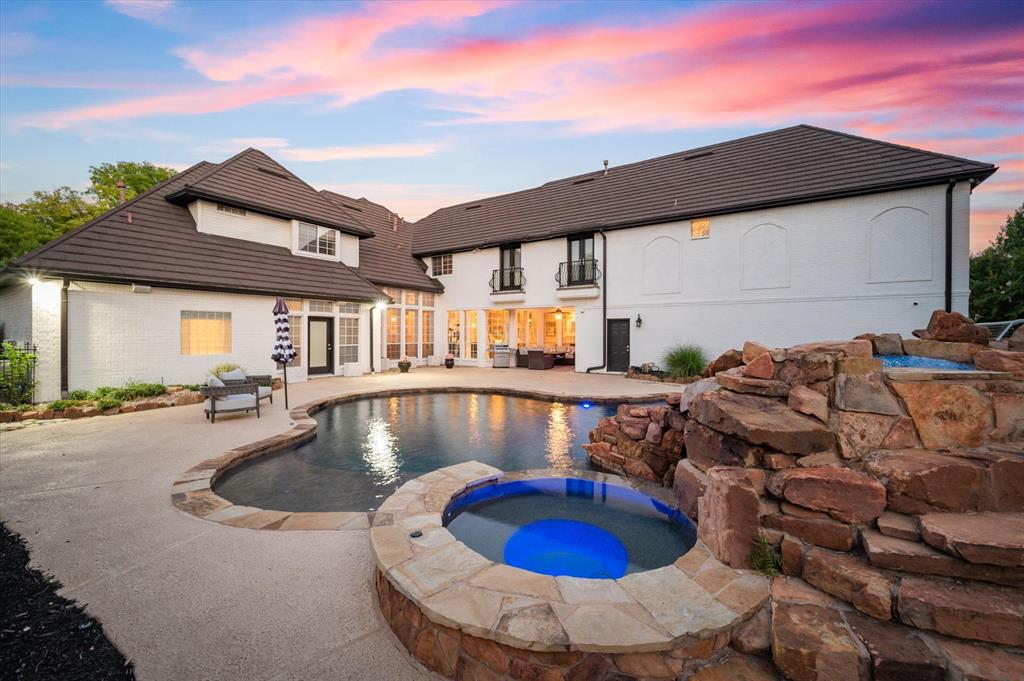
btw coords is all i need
(441, 264)
(510, 269)
(319, 240)
(581, 267)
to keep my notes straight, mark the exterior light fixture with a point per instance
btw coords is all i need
(33, 281)
(639, 321)
(558, 313)
(381, 305)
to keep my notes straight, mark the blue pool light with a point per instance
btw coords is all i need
(571, 548)
(586, 405)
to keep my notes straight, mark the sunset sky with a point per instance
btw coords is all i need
(425, 104)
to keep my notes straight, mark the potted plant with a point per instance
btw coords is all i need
(404, 364)
(449, 361)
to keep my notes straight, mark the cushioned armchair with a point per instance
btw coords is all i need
(265, 383)
(222, 398)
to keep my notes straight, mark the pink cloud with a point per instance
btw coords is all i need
(352, 153)
(985, 225)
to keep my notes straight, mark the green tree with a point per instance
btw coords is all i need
(58, 211)
(997, 274)
(137, 177)
(18, 234)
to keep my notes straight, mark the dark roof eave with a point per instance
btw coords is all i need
(10, 271)
(980, 175)
(379, 281)
(188, 194)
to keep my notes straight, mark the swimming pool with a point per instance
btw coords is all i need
(365, 449)
(569, 527)
(915, 362)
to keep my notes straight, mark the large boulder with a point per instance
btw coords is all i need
(807, 401)
(737, 381)
(1000, 360)
(1016, 341)
(843, 493)
(859, 433)
(865, 393)
(761, 421)
(688, 485)
(806, 368)
(727, 360)
(728, 516)
(991, 538)
(849, 578)
(919, 480)
(888, 344)
(692, 392)
(947, 415)
(955, 327)
(897, 653)
(811, 642)
(761, 366)
(954, 352)
(982, 612)
(857, 347)
(706, 448)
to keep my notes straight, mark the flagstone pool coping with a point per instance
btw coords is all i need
(193, 491)
(666, 609)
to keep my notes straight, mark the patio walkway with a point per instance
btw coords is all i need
(185, 598)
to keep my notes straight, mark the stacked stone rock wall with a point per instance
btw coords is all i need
(895, 501)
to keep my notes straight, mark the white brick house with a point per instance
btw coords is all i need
(795, 234)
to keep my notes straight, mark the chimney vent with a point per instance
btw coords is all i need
(394, 222)
(120, 191)
(606, 166)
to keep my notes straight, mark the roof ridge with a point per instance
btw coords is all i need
(225, 163)
(103, 216)
(894, 145)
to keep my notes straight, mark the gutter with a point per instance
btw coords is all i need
(604, 306)
(949, 245)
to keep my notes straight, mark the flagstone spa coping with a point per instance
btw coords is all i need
(193, 491)
(695, 599)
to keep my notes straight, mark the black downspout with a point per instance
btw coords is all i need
(604, 306)
(949, 245)
(64, 339)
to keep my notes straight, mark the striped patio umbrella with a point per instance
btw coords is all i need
(284, 351)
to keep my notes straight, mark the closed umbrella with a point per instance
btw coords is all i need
(284, 351)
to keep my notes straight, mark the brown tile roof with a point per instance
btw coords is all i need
(253, 180)
(788, 166)
(386, 258)
(149, 240)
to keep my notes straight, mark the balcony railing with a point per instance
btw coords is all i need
(507, 279)
(578, 273)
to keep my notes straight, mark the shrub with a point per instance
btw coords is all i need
(685, 360)
(104, 391)
(223, 368)
(17, 375)
(765, 558)
(105, 403)
(134, 390)
(79, 395)
(61, 405)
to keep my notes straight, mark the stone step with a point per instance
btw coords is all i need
(899, 526)
(980, 663)
(989, 538)
(851, 579)
(894, 553)
(898, 653)
(968, 610)
(762, 421)
(921, 481)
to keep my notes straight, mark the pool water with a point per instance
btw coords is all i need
(915, 362)
(566, 526)
(365, 450)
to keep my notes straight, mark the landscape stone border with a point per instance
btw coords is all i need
(193, 491)
(455, 610)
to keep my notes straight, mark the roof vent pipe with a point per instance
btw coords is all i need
(394, 222)
(606, 166)
(120, 191)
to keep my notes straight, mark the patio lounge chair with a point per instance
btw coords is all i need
(540, 360)
(522, 359)
(221, 398)
(265, 382)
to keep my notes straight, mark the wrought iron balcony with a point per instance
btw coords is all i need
(507, 279)
(578, 273)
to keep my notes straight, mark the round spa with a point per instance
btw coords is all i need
(567, 574)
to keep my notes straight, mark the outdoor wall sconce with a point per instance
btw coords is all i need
(639, 321)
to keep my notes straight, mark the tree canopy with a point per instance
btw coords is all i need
(997, 274)
(48, 214)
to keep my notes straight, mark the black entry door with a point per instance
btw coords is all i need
(321, 345)
(618, 344)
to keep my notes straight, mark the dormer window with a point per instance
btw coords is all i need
(319, 240)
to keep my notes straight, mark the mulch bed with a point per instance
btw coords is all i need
(46, 636)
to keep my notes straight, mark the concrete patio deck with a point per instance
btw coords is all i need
(187, 599)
